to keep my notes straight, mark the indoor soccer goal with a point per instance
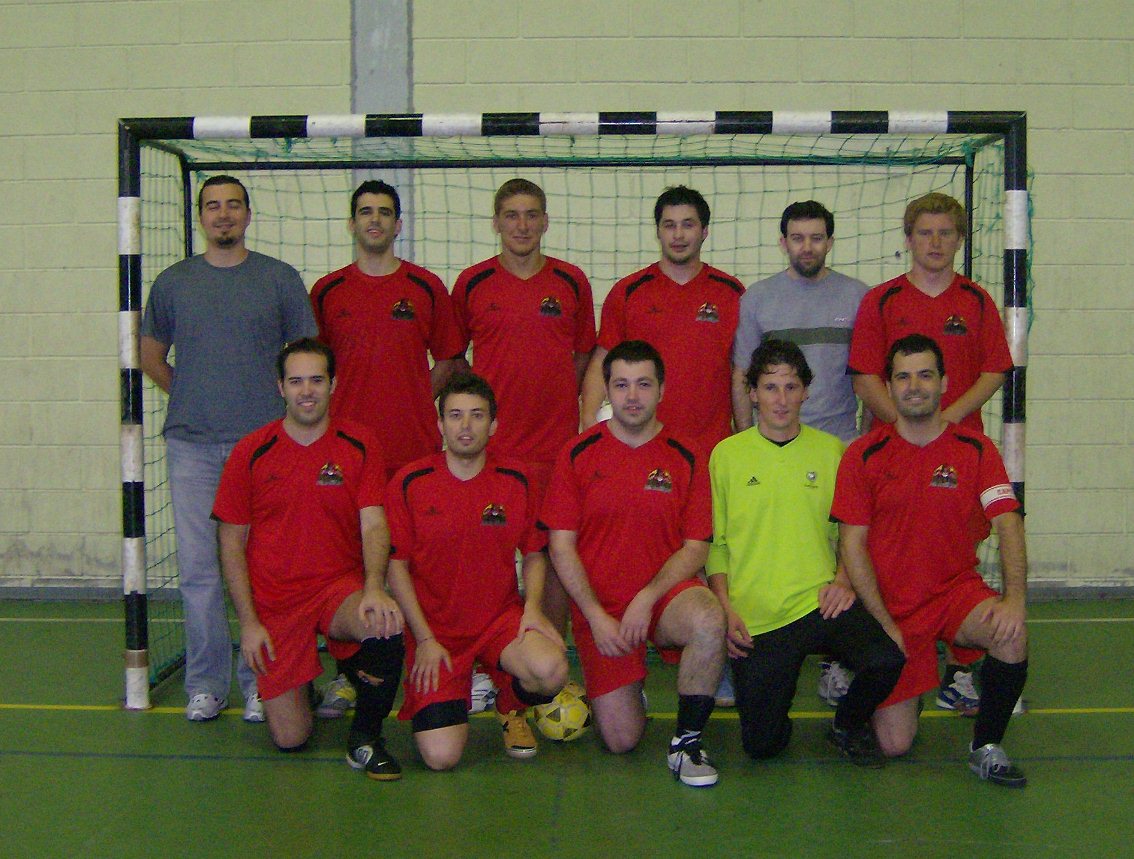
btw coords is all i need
(602, 173)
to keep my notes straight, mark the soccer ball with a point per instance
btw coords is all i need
(567, 716)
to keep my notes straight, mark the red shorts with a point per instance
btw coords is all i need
(456, 685)
(293, 636)
(602, 674)
(938, 620)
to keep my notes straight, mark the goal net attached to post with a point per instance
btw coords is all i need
(602, 173)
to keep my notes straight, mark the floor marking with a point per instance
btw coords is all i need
(729, 714)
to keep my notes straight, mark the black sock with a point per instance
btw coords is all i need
(374, 672)
(693, 713)
(1000, 688)
(530, 699)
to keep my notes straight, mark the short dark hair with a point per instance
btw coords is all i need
(807, 210)
(376, 186)
(633, 352)
(306, 346)
(221, 180)
(515, 187)
(467, 383)
(914, 344)
(680, 195)
(773, 351)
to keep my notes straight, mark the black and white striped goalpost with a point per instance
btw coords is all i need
(1010, 127)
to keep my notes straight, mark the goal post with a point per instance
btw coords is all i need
(601, 172)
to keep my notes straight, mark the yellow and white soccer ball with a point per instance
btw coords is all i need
(567, 716)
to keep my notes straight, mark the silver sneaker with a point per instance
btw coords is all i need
(690, 765)
(253, 709)
(725, 696)
(204, 707)
(991, 764)
(834, 681)
(338, 697)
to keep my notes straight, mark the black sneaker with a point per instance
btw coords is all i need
(372, 757)
(991, 764)
(859, 745)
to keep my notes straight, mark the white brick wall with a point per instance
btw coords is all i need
(69, 69)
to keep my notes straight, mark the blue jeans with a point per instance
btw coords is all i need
(194, 474)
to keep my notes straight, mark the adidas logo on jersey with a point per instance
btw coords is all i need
(753, 481)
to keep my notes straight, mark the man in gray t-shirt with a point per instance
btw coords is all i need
(811, 306)
(226, 314)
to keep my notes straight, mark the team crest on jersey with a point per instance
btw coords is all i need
(330, 475)
(403, 309)
(659, 480)
(493, 514)
(811, 478)
(550, 306)
(708, 312)
(955, 324)
(944, 476)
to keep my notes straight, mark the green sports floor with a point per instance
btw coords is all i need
(80, 777)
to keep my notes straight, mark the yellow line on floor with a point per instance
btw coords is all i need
(718, 714)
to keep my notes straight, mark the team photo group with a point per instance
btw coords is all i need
(739, 477)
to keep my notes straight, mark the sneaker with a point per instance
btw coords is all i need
(253, 708)
(991, 764)
(483, 692)
(834, 681)
(373, 758)
(858, 745)
(204, 707)
(519, 741)
(958, 693)
(338, 697)
(690, 765)
(726, 692)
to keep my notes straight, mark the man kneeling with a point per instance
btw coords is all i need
(303, 547)
(772, 564)
(457, 519)
(628, 510)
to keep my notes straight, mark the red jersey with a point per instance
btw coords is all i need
(460, 537)
(525, 334)
(382, 330)
(301, 503)
(692, 325)
(919, 504)
(963, 320)
(632, 508)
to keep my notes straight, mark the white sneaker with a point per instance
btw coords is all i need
(484, 692)
(834, 681)
(253, 708)
(204, 707)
